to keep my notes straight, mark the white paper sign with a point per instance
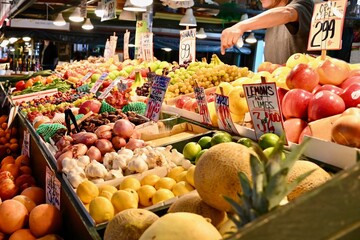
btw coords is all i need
(264, 108)
(223, 113)
(126, 44)
(147, 53)
(187, 47)
(109, 10)
(106, 92)
(25, 149)
(52, 188)
(98, 83)
(200, 97)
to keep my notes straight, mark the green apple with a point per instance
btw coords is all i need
(159, 71)
(95, 77)
(164, 64)
(112, 75)
(128, 68)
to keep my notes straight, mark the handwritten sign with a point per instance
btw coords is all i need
(123, 85)
(327, 25)
(52, 188)
(157, 94)
(187, 48)
(126, 44)
(107, 90)
(223, 113)
(200, 97)
(86, 77)
(147, 53)
(264, 108)
(25, 149)
(98, 83)
(109, 10)
(141, 27)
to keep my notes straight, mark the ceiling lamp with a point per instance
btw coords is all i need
(87, 25)
(26, 39)
(59, 20)
(99, 11)
(4, 43)
(166, 49)
(12, 40)
(132, 8)
(188, 19)
(201, 34)
(141, 3)
(251, 38)
(127, 16)
(76, 15)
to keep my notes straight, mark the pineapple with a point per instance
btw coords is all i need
(268, 186)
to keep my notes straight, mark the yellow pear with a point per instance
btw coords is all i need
(237, 101)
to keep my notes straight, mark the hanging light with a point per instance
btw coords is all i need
(99, 11)
(132, 8)
(87, 25)
(188, 19)
(141, 3)
(4, 43)
(13, 39)
(26, 39)
(59, 20)
(76, 15)
(251, 38)
(166, 49)
(201, 34)
(127, 16)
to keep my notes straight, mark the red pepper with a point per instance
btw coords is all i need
(20, 85)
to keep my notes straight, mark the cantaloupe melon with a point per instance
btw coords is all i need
(181, 226)
(216, 173)
(318, 177)
(192, 203)
(129, 224)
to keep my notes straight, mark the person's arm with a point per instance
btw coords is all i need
(270, 18)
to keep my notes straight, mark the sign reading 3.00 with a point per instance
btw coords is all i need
(327, 25)
(187, 48)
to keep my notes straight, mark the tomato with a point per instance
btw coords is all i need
(20, 85)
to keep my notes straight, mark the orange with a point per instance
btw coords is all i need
(29, 83)
(45, 219)
(22, 234)
(7, 159)
(37, 194)
(13, 216)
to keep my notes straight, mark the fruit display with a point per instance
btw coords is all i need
(9, 144)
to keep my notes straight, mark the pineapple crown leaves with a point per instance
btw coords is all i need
(268, 184)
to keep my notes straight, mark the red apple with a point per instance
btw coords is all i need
(295, 103)
(324, 104)
(351, 95)
(305, 132)
(90, 105)
(25, 178)
(302, 76)
(268, 67)
(281, 93)
(181, 101)
(333, 71)
(350, 80)
(8, 189)
(293, 128)
(6, 175)
(331, 88)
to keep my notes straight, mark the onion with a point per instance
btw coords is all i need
(135, 143)
(67, 154)
(79, 150)
(86, 138)
(136, 135)
(104, 131)
(64, 142)
(94, 154)
(346, 131)
(123, 128)
(104, 146)
(118, 142)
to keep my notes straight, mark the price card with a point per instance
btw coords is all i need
(123, 85)
(106, 92)
(223, 113)
(13, 112)
(147, 53)
(141, 27)
(98, 83)
(264, 108)
(25, 148)
(109, 8)
(202, 105)
(187, 47)
(86, 77)
(157, 94)
(52, 188)
(126, 44)
(327, 25)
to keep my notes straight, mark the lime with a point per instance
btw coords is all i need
(269, 150)
(220, 137)
(268, 140)
(245, 141)
(191, 149)
(199, 155)
(205, 142)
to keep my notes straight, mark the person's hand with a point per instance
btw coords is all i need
(230, 36)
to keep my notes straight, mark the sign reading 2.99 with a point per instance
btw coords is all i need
(187, 48)
(327, 25)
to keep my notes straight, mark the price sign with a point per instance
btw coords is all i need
(327, 25)
(52, 188)
(106, 92)
(109, 8)
(202, 104)
(187, 48)
(264, 108)
(123, 85)
(25, 149)
(98, 83)
(147, 53)
(126, 44)
(86, 77)
(157, 94)
(141, 27)
(223, 113)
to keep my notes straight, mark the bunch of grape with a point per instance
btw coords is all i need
(144, 90)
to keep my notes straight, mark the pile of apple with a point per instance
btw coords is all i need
(317, 89)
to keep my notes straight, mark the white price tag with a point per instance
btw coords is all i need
(200, 97)
(98, 83)
(187, 48)
(106, 92)
(25, 149)
(52, 188)
(147, 53)
(86, 77)
(223, 113)
(109, 10)
(126, 44)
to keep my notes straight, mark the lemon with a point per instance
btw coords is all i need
(101, 210)
(108, 188)
(190, 175)
(87, 191)
(122, 200)
(269, 150)
(165, 182)
(223, 88)
(191, 149)
(245, 141)
(175, 171)
(295, 59)
(237, 101)
(130, 182)
(220, 137)
(150, 179)
(162, 195)
(205, 142)
(268, 140)
(106, 194)
(146, 194)
(181, 188)
(199, 155)
(181, 176)
(133, 192)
